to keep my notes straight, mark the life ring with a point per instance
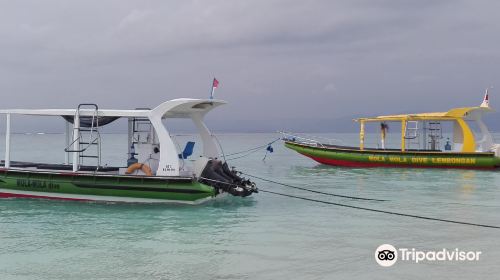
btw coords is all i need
(141, 166)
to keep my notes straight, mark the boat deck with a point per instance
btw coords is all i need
(59, 167)
(85, 171)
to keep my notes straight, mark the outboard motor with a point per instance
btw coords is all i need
(219, 176)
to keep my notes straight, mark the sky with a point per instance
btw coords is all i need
(282, 64)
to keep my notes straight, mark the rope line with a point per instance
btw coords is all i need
(369, 209)
(255, 148)
(245, 155)
(220, 146)
(250, 151)
(383, 211)
(313, 191)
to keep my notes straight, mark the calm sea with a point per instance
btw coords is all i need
(260, 237)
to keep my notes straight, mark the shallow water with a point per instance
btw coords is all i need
(260, 237)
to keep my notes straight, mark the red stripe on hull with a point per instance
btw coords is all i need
(347, 163)
(16, 195)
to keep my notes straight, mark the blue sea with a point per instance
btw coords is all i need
(264, 236)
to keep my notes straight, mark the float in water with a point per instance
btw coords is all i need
(156, 171)
(421, 142)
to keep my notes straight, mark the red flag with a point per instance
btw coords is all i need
(215, 84)
(486, 100)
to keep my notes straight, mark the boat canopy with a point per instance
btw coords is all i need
(463, 136)
(176, 108)
(465, 113)
(169, 165)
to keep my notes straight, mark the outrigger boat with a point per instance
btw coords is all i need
(420, 142)
(156, 172)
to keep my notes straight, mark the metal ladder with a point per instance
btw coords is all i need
(142, 128)
(88, 136)
(435, 135)
(412, 134)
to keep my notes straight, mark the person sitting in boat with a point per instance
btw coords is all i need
(383, 132)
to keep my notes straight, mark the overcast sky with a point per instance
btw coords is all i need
(277, 61)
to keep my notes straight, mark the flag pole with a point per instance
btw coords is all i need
(486, 99)
(215, 84)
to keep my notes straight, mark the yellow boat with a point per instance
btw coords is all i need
(421, 142)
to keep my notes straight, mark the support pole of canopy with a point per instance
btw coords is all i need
(362, 135)
(209, 145)
(76, 142)
(469, 143)
(67, 136)
(403, 133)
(130, 136)
(7, 143)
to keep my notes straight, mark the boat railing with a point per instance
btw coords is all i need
(309, 139)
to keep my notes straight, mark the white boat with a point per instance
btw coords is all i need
(156, 171)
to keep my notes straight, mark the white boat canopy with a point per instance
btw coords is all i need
(194, 109)
(176, 108)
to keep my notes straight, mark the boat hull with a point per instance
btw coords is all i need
(351, 157)
(94, 187)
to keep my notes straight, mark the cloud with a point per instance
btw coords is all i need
(270, 55)
(134, 18)
(330, 88)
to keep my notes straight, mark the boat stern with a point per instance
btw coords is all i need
(217, 174)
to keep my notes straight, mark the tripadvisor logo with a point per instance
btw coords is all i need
(387, 255)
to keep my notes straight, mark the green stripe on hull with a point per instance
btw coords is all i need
(118, 186)
(393, 158)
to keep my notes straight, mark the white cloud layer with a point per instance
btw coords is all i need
(276, 59)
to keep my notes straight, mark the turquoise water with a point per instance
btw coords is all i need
(259, 237)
